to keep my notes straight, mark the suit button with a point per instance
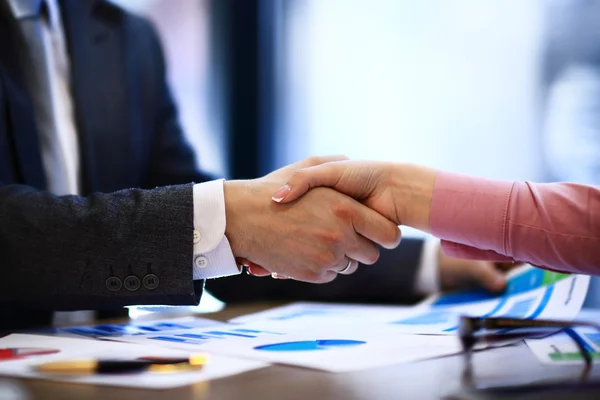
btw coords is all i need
(114, 284)
(201, 262)
(132, 283)
(151, 281)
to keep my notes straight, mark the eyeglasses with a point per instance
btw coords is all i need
(502, 330)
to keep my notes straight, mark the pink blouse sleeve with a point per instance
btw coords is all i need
(555, 225)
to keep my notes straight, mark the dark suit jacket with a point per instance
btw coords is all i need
(81, 252)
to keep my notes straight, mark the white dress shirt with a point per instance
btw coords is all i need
(212, 256)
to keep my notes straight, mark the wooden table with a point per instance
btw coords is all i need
(431, 379)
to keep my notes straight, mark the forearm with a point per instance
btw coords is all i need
(549, 225)
(63, 252)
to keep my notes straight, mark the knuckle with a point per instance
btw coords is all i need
(325, 259)
(303, 274)
(342, 210)
(353, 247)
(313, 276)
(297, 175)
(314, 160)
(334, 158)
(332, 237)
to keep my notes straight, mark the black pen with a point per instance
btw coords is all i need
(92, 366)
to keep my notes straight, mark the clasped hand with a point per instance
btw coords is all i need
(311, 240)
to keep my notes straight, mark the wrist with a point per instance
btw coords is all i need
(416, 184)
(236, 194)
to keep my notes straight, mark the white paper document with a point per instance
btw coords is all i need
(560, 348)
(336, 351)
(47, 348)
(531, 293)
(329, 348)
(322, 312)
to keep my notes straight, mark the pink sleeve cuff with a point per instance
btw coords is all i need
(471, 211)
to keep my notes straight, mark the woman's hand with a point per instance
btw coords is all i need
(400, 192)
(459, 274)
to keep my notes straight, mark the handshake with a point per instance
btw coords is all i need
(321, 217)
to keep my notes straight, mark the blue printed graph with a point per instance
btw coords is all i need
(594, 338)
(206, 336)
(428, 318)
(109, 330)
(519, 309)
(536, 313)
(310, 345)
(303, 313)
(175, 339)
(531, 279)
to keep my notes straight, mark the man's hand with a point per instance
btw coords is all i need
(458, 274)
(400, 192)
(310, 240)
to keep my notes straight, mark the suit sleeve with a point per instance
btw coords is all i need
(102, 251)
(390, 280)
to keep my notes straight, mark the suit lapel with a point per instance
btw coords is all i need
(21, 125)
(99, 91)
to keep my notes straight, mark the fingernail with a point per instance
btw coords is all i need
(281, 193)
(250, 272)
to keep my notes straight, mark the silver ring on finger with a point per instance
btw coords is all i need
(348, 267)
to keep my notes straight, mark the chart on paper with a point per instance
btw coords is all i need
(531, 293)
(560, 349)
(178, 339)
(104, 331)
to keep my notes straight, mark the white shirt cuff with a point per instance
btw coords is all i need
(212, 254)
(427, 278)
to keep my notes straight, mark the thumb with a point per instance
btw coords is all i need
(486, 274)
(302, 180)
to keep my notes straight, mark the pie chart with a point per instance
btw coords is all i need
(310, 345)
(17, 353)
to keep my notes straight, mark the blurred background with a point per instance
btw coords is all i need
(504, 89)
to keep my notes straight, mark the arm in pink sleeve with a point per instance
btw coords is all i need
(458, 250)
(554, 225)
